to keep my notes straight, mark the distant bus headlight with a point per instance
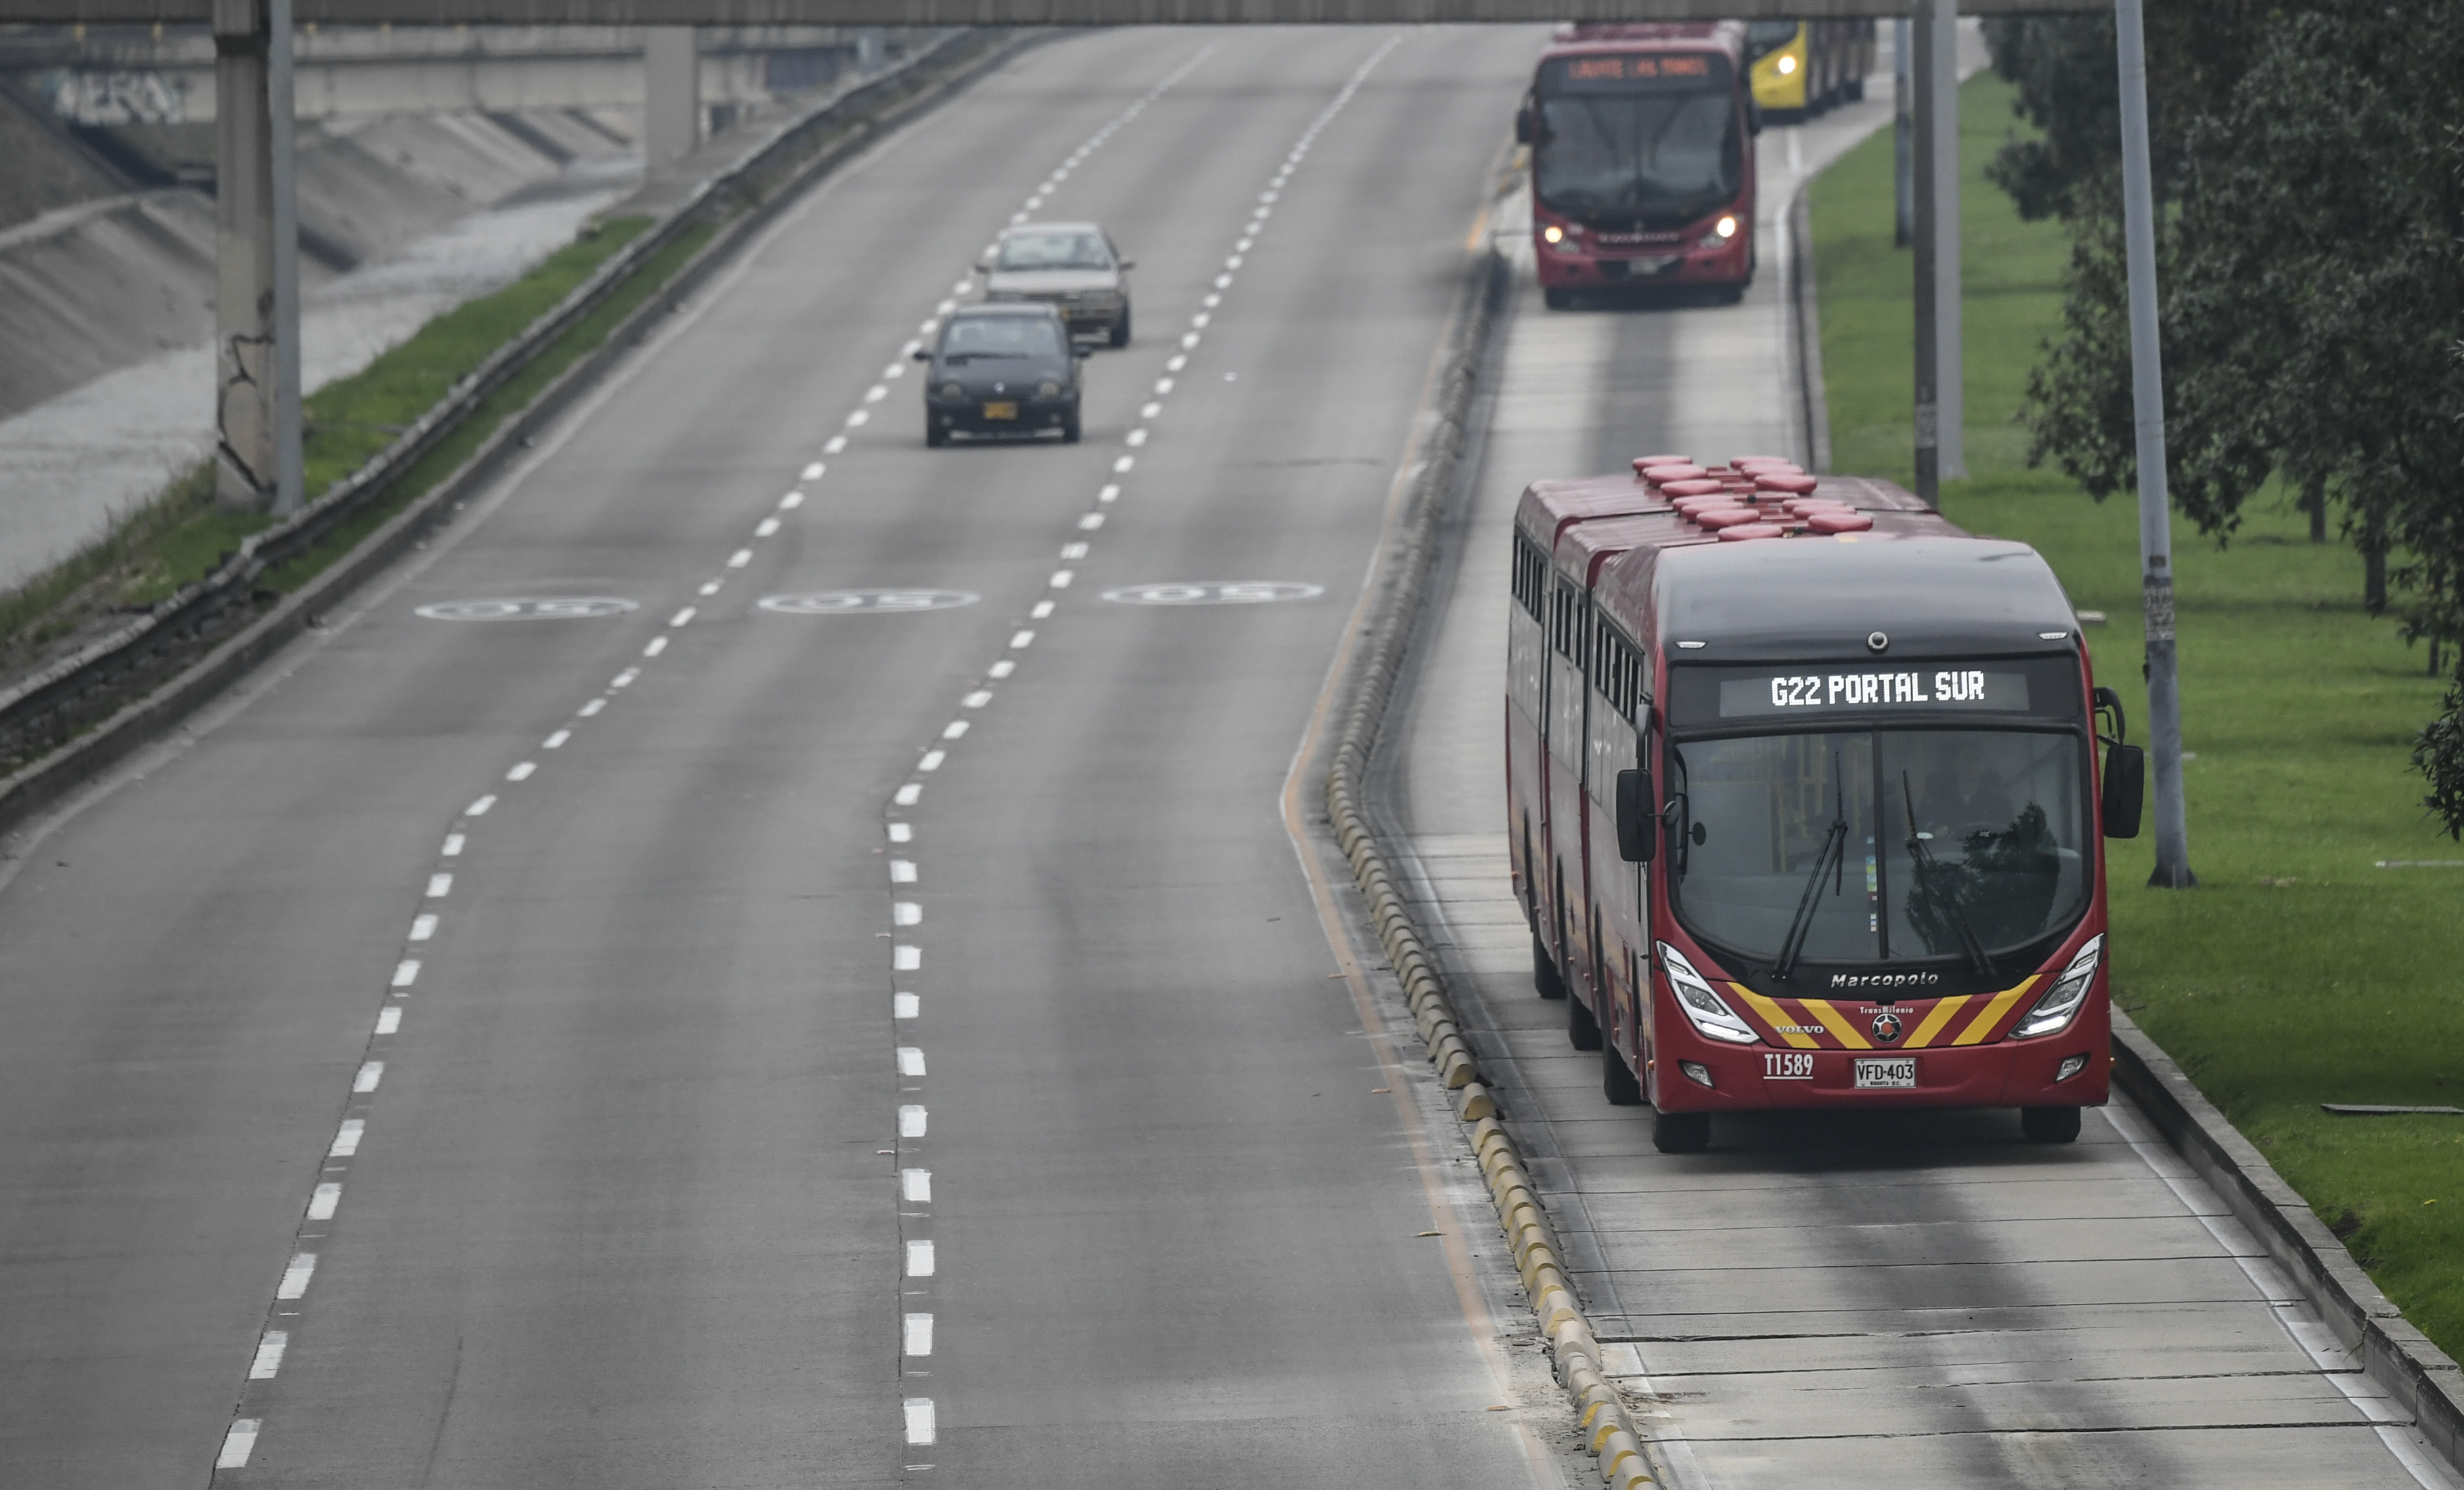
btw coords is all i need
(1721, 232)
(1553, 234)
(1706, 1011)
(1787, 66)
(2055, 1010)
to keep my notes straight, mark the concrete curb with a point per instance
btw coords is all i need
(2397, 1356)
(1608, 1427)
(754, 190)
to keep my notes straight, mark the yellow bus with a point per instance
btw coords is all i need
(1801, 68)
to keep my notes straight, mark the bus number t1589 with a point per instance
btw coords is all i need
(1788, 1065)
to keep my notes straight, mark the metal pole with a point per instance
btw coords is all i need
(1903, 162)
(1950, 386)
(1927, 244)
(2155, 504)
(290, 481)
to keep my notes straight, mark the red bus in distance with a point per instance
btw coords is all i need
(1642, 161)
(1807, 796)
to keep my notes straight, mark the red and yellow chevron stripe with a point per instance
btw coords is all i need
(1817, 1025)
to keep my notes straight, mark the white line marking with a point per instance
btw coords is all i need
(389, 1019)
(1019, 639)
(1189, 339)
(859, 419)
(795, 499)
(919, 1424)
(765, 527)
(902, 871)
(1091, 522)
(269, 1355)
(929, 326)
(954, 729)
(479, 808)
(932, 760)
(813, 472)
(1002, 668)
(422, 928)
(1073, 550)
(906, 959)
(593, 707)
(907, 913)
(1212, 301)
(452, 846)
(876, 393)
(1233, 262)
(658, 645)
(910, 1121)
(325, 1199)
(371, 1072)
(1043, 608)
(837, 442)
(683, 616)
(899, 369)
(1163, 386)
(919, 1257)
(918, 1334)
(241, 1441)
(910, 1061)
(1061, 578)
(1150, 410)
(1176, 364)
(905, 1006)
(908, 794)
(440, 885)
(1243, 245)
(406, 973)
(346, 1138)
(915, 1184)
(901, 832)
(521, 771)
(963, 286)
(1135, 438)
(977, 699)
(1222, 282)
(557, 740)
(739, 559)
(295, 1277)
(1201, 319)
(624, 679)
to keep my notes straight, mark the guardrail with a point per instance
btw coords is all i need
(76, 718)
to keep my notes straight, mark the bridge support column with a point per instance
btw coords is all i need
(244, 321)
(1940, 411)
(671, 94)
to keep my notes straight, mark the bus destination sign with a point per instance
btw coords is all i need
(1927, 689)
(1633, 72)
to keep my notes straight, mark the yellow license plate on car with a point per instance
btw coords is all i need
(1000, 411)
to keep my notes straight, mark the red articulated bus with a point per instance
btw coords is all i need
(1643, 164)
(1804, 800)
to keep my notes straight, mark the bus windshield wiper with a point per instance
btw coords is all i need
(1929, 881)
(1832, 858)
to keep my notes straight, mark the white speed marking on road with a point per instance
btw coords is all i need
(1214, 592)
(528, 607)
(848, 603)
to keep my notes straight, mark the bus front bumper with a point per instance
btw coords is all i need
(1564, 265)
(2003, 1074)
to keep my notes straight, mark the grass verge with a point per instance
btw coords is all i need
(2299, 972)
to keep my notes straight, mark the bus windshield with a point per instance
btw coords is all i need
(1930, 843)
(1660, 159)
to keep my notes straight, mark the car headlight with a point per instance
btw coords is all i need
(2054, 1011)
(1047, 389)
(1709, 1012)
(951, 390)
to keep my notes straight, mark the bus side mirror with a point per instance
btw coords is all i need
(2125, 790)
(1523, 126)
(1634, 822)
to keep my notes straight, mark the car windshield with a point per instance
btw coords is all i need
(1062, 249)
(1660, 159)
(1949, 839)
(1001, 336)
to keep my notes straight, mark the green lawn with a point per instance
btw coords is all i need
(2298, 971)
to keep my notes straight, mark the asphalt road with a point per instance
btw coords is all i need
(695, 1143)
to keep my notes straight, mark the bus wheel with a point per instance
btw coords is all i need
(2049, 1125)
(1616, 1080)
(1680, 1132)
(1545, 979)
(1581, 1029)
(1558, 299)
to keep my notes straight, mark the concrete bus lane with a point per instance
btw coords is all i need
(1897, 1299)
(473, 1047)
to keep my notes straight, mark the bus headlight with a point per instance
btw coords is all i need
(1553, 234)
(1707, 1012)
(1787, 66)
(1721, 232)
(2055, 1010)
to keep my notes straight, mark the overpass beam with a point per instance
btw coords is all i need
(671, 94)
(1940, 409)
(245, 474)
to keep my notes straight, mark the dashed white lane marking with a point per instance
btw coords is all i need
(859, 419)
(422, 928)
(1136, 438)
(325, 1199)
(241, 1441)
(1152, 409)
(1040, 610)
(916, 1185)
(655, 645)
(1020, 638)
(905, 1006)
(901, 832)
(440, 885)
(452, 846)
(1176, 364)
(683, 616)
(389, 1019)
(765, 527)
(1200, 320)
(907, 913)
(876, 393)
(918, 1334)
(919, 1425)
(709, 588)
(902, 871)
(1112, 493)
(919, 1259)
(912, 1121)
(557, 740)
(1002, 668)
(1073, 551)
(962, 286)
(1061, 578)
(813, 472)
(295, 1277)
(910, 1061)
(479, 808)
(593, 707)
(908, 794)
(1212, 301)
(931, 760)
(370, 1073)
(954, 729)
(406, 973)
(739, 559)
(977, 699)
(1091, 522)
(906, 959)
(269, 1355)
(795, 499)
(837, 442)
(346, 1138)
(624, 679)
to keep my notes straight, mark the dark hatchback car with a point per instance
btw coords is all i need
(1006, 369)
